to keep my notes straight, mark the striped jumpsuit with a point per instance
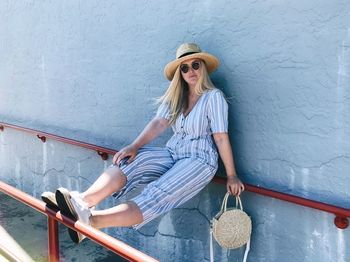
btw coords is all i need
(188, 162)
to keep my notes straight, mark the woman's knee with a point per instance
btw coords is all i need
(116, 175)
(136, 211)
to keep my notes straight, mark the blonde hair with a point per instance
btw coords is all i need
(176, 96)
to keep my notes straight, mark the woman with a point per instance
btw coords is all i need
(198, 113)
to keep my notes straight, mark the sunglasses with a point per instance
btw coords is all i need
(185, 67)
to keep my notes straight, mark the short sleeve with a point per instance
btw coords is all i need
(218, 112)
(163, 111)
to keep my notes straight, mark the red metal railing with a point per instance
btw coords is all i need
(102, 151)
(342, 214)
(53, 216)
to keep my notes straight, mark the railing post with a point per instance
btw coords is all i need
(53, 242)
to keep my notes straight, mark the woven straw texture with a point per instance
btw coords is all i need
(232, 229)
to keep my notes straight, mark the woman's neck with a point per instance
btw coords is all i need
(191, 90)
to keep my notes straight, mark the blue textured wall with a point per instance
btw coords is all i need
(90, 69)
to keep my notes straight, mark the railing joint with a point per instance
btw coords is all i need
(103, 155)
(42, 138)
(341, 222)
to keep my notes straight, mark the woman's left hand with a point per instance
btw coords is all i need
(234, 185)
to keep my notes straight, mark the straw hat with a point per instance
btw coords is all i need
(190, 51)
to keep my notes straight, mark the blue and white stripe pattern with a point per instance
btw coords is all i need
(150, 164)
(192, 133)
(176, 173)
(179, 184)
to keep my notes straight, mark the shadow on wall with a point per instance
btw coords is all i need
(220, 81)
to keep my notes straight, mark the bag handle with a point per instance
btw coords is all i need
(224, 202)
(223, 209)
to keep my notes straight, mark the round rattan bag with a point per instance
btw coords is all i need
(231, 227)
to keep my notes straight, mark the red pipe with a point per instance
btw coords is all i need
(43, 135)
(342, 214)
(52, 226)
(105, 240)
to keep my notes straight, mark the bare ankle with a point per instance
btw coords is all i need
(93, 222)
(87, 200)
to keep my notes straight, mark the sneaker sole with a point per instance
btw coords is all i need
(49, 202)
(67, 209)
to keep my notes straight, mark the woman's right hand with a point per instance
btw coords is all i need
(234, 185)
(128, 151)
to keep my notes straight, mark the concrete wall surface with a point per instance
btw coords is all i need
(89, 70)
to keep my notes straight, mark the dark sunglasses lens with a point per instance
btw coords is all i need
(195, 65)
(184, 68)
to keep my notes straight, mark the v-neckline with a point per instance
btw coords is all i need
(185, 116)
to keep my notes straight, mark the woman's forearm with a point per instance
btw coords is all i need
(152, 130)
(223, 144)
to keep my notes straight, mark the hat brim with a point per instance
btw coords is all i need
(211, 63)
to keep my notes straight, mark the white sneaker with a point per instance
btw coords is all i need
(72, 205)
(50, 199)
(81, 207)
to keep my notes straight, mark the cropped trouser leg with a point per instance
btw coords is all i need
(169, 183)
(179, 184)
